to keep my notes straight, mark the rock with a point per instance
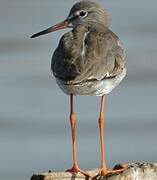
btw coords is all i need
(135, 171)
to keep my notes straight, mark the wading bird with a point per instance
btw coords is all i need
(89, 60)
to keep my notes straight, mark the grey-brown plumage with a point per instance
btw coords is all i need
(89, 54)
(89, 60)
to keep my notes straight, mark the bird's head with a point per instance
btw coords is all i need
(87, 13)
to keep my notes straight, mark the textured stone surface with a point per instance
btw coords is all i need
(135, 171)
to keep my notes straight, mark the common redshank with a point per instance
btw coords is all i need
(89, 60)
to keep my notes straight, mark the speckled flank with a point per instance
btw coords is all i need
(97, 87)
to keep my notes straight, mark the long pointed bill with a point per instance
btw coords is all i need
(56, 27)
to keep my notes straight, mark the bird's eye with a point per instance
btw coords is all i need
(83, 14)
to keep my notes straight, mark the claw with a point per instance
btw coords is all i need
(116, 170)
(76, 169)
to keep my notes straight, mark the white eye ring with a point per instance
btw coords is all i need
(83, 13)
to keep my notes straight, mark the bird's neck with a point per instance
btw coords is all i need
(98, 27)
(79, 33)
(74, 42)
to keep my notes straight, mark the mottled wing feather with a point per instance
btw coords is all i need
(104, 57)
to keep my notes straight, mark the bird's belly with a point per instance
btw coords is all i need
(96, 87)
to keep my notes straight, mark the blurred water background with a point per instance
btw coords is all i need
(34, 126)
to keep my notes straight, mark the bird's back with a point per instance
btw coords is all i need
(83, 55)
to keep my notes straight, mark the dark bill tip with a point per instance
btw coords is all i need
(40, 33)
(56, 27)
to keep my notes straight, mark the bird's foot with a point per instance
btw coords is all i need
(75, 169)
(105, 173)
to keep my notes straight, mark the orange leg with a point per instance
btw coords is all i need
(75, 168)
(104, 171)
(101, 123)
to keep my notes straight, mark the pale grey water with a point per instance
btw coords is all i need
(34, 128)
